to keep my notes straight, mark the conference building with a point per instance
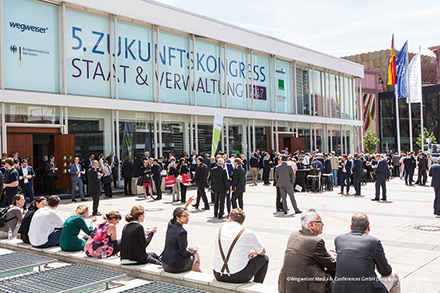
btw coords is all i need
(81, 77)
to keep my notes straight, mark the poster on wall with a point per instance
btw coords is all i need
(30, 33)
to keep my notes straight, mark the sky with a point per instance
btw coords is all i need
(338, 27)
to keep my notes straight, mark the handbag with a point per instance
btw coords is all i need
(140, 181)
(170, 180)
(107, 179)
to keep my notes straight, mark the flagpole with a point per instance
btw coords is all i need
(422, 129)
(397, 120)
(409, 100)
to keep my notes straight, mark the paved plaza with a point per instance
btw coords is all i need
(413, 254)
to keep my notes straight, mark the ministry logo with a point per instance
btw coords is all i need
(13, 48)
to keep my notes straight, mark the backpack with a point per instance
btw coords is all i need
(3, 213)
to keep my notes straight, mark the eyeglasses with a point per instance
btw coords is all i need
(318, 222)
(184, 216)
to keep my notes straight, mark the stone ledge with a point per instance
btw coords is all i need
(201, 281)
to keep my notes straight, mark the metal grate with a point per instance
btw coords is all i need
(21, 260)
(63, 279)
(161, 287)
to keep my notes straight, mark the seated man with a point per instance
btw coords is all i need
(307, 259)
(358, 255)
(239, 255)
(45, 228)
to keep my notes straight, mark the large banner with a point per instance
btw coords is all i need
(216, 132)
(30, 32)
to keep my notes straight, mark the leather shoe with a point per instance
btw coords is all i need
(83, 199)
(73, 200)
(374, 199)
(298, 212)
(205, 209)
(383, 199)
(194, 206)
(97, 214)
(285, 212)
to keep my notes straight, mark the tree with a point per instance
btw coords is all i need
(370, 142)
(426, 134)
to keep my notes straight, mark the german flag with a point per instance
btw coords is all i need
(392, 65)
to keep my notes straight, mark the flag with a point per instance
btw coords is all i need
(392, 65)
(401, 88)
(217, 130)
(415, 79)
(127, 140)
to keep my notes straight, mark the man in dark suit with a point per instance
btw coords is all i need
(423, 167)
(345, 174)
(201, 180)
(314, 260)
(75, 172)
(358, 255)
(285, 179)
(94, 182)
(238, 184)
(25, 175)
(434, 172)
(157, 178)
(219, 188)
(358, 172)
(382, 175)
(410, 165)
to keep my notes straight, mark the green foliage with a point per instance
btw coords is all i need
(426, 134)
(370, 142)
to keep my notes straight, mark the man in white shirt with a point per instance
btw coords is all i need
(239, 255)
(45, 228)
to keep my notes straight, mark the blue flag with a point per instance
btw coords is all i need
(401, 89)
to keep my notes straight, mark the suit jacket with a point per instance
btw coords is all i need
(409, 163)
(155, 171)
(134, 242)
(358, 166)
(127, 169)
(30, 172)
(49, 172)
(175, 251)
(327, 166)
(284, 175)
(382, 171)
(73, 171)
(239, 180)
(358, 254)
(348, 166)
(312, 261)
(423, 164)
(93, 180)
(201, 176)
(219, 179)
(434, 172)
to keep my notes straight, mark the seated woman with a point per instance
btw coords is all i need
(38, 203)
(134, 240)
(14, 216)
(69, 240)
(176, 258)
(102, 242)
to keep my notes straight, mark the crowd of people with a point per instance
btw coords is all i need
(239, 254)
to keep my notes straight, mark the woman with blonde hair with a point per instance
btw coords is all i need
(103, 242)
(69, 240)
(135, 239)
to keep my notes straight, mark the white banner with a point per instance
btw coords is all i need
(415, 79)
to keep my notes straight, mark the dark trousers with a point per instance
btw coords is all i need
(50, 183)
(127, 186)
(158, 189)
(409, 176)
(219, 203)
(437, 201)
(422, 177)
(237, 196)
(345, 181)
(28, 192)
(278, 203)
(52, 240)
(396, 171)
(115, 177)
(357, 184)
(108, 189)
(266, 176)
(95, 197)
(116, 246)
(182, 193)
(256, 267)
(383, 184)
(202, 195)
(228, 200)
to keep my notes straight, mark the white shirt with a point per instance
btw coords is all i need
(43, 223)
(240, 253)
(25, 174)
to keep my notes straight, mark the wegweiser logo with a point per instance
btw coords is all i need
(26, 27)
